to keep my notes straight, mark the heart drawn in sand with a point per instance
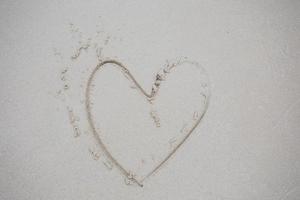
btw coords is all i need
(140, 131)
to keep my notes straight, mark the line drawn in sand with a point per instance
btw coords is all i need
(160, 76)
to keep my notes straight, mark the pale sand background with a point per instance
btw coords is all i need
(248, 145)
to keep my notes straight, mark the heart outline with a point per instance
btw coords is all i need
(149, 97)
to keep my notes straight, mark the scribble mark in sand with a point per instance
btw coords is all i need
(130, 179)
(99, 53)
(155, 117)
(73, 29)
(95, 155)
(107, 163)
(79, 50)
(74, 122)
(196, 115)
(63, 75)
